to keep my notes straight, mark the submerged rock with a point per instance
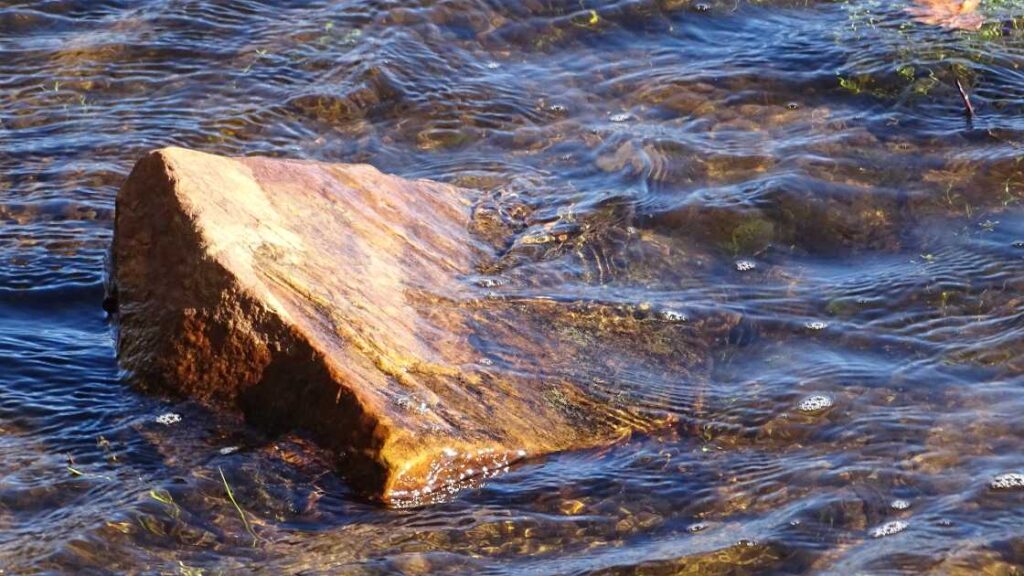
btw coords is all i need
(337, 299)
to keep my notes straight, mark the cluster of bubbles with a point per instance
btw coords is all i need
(889, 528)
(168, 419)
(674, 316)
(454, 471)
(412, 403)
(489, 282)
(745, 265)
(900, 504)
(1008, 481)
(815, 403)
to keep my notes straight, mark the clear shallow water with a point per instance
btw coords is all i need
(804, 165)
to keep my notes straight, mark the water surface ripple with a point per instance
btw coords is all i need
(800, 168)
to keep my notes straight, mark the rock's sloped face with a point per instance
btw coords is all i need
(332, 298)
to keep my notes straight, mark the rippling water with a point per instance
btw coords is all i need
(804, 166)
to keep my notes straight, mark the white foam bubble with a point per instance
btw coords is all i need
(816, 325)
(889, 528)
(815, 403)
(168, 419)
(228, 450)
(623, 117)
(745, 265)
(673, 316)
(900, 504)
(1008, 481)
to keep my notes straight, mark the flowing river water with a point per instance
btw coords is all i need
(804, 167)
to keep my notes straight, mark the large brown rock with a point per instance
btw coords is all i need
(333, 298)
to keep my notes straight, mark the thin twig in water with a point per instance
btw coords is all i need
(241, 513)
(968, 108)
(71, 466)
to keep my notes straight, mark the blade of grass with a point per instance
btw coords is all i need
(241, 513)
(968, 107)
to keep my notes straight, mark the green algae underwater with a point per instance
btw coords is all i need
(787, 196)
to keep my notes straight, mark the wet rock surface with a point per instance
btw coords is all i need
(333, 298)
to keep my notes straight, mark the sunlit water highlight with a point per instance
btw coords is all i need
(803, 166)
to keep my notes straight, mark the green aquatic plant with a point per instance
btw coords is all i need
(587, 19)
(152, 525)
(260, 54)
(917, 64)
(164, 497)
(241, 513)
(77, 473)
(187, 570)
(752, 236)
(105, 445)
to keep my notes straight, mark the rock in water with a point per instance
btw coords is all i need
(331, 298)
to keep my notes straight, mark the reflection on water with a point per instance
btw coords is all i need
(801, 168)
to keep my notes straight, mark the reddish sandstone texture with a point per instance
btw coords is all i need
(330, 298)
